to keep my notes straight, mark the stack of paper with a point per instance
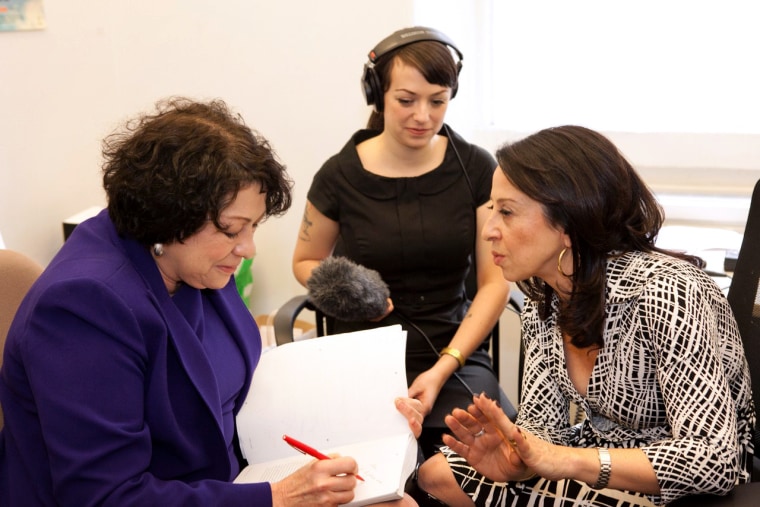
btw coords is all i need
(336, 394)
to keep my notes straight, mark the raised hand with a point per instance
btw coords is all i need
(488, 440)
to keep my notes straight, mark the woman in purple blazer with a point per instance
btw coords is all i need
(130, 357)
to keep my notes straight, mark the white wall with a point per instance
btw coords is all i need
(291, 68)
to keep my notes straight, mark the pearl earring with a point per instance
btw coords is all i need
(158, 249)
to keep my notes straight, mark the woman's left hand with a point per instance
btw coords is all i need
(412, 410)
(502, 451)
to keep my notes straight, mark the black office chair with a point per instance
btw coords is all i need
(744, 298)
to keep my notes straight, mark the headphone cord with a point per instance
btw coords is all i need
(461, 163)
(403, 317)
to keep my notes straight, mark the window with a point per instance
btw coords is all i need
(627, 66)
(674, 83)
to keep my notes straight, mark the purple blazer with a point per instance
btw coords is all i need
(107, 393)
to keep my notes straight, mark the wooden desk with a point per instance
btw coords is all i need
(745, 495)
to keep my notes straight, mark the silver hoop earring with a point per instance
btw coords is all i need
(559, 264)
(158, 249)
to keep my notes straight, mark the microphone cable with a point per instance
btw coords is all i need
(417, 328)
(432, 347)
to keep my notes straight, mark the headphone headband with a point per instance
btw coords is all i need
(371, 86)
(409, 36)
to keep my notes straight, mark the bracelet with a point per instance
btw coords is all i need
(605, 468)
(455, 354)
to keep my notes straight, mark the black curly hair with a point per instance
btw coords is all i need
(166, 173)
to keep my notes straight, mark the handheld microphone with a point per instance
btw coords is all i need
(347, 291)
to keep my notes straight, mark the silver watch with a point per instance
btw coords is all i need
(605, 468)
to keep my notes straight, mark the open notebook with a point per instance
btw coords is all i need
(335, 393)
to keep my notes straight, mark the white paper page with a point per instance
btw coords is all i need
(327, 392)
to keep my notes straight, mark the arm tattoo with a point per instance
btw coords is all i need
(306, 224)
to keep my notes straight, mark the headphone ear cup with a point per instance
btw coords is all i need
(456, 87)
(373, 91)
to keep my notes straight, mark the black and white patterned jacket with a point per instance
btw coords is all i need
(671, 378)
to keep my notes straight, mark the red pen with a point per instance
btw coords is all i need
(305, 449)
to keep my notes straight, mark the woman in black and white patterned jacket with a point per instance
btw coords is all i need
(641, 339)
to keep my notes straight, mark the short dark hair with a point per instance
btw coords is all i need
(586, 187)
(434, 61)
(166, 173)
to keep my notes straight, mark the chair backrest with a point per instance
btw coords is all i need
(285, 317)
(17, 273)
(744, 297)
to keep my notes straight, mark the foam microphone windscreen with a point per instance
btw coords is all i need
(347, 291)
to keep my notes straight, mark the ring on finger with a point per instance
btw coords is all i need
(480, 433)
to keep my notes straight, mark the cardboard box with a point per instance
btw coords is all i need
(302, 330)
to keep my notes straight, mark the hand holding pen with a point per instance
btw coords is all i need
(305, 449)
(329, 482)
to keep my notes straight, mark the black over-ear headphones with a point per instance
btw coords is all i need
(371, 85)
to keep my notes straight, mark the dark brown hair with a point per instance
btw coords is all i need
(434, 61)
(587, 188)
(166, 173)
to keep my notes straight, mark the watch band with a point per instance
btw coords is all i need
(605, 468)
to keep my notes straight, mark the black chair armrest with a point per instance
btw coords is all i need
(285, 318)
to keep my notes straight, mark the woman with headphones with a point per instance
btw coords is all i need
(406, 197)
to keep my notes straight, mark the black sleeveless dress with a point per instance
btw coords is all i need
(419, 234)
